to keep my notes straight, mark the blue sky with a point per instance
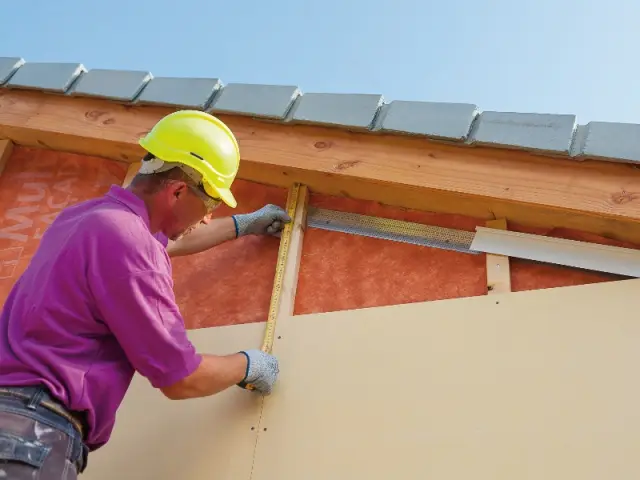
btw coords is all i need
(550, 56)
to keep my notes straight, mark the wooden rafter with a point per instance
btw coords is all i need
(596, 197)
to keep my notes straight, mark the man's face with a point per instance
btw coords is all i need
(185, 210)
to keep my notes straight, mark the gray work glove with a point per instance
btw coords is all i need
(262, 371)
(269, 220)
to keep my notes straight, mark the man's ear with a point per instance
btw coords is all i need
(178, 190)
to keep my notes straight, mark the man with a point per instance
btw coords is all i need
(96, 303)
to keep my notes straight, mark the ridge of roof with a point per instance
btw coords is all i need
(457, 123)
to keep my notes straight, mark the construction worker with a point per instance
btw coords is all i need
(96, 304)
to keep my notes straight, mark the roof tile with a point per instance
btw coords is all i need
(51, 77)
(611, 140)
(182, 92)
(122, 85)
(356, 110)
(8, 66)
(532, 131)
(433, 119)
(270, 101)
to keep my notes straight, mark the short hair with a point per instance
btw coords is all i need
(151, 183)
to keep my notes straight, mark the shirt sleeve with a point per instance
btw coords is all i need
(138, 306)
(162, 238)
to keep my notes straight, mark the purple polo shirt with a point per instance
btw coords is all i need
(96, 304)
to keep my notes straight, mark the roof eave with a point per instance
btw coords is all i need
(440, 157)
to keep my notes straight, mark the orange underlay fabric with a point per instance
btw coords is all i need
(37, 184)
(232, 283)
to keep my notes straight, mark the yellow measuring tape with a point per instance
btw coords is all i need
(283, 251)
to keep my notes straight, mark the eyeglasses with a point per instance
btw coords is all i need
(210, 203)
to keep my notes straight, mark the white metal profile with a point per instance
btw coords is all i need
(572, 253)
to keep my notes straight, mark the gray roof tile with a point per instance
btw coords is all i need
(270, 101)
(356, 110)
(610, 140)
(579, 137)
(448, 121)
(433, 119)
(532, 131)
(182, 92)
(52, 77)
(8, 66)
(122, 85)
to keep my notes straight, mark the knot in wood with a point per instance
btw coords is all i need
(620, 198)
(346, 165)
(322, 145)
(99, 116)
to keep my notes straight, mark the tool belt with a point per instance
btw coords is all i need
(48, 402)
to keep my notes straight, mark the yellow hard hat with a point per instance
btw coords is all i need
(200, 141)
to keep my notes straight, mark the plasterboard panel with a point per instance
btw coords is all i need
(539, 384)
(560, 251)
(197, 439)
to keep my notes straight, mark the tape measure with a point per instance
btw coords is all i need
(283, 252)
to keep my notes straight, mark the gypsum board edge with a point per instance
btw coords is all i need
(389, 229)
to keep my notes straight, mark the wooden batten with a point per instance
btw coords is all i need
(402, 171)
(131, 172)
(6, 147)
(292, 263)
(498, 266)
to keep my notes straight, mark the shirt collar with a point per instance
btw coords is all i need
(131, 201)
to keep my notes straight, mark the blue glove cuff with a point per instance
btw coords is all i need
(243, 382)
(235, 223)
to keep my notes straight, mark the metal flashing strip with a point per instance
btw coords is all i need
(389, 229)
(572, 253)
(558, 251)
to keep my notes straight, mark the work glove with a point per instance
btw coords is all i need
(269, 220)
(262, 371)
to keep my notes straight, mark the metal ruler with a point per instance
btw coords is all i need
(389, 229)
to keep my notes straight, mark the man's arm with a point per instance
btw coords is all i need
(269, 220)
(134, 297)
(217, 373)
(141, 312)
(213, 375)
(206, 236)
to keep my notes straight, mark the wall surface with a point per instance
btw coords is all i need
(209, 438)
(466, 403)
(34, 187)
(232, 283)
(537, 384)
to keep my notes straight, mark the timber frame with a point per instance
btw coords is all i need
(528, 188)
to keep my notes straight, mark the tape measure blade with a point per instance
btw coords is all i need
(283, 250)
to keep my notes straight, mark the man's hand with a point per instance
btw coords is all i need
(269, 220)
(262, 371)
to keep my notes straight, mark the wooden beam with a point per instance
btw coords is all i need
(292, 265)
(131, 172)
(498, 268)
(598, 197)
(6, 147)
(285, 298)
